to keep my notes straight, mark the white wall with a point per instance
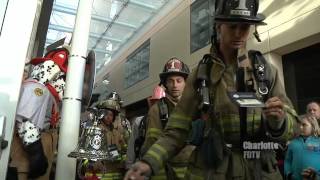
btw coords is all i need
(291, 25)
(16, 40)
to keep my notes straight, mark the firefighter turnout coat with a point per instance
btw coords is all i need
(178, 165)
(225, 120)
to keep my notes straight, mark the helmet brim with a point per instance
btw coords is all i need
(166, 74)
(258, 20)
(110, 109)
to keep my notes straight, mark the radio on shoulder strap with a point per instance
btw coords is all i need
(203, 77)
(163, 112)
(261, 73)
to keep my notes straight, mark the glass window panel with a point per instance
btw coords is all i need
(120, 32)
(201, 23)
(68, 3)
(129, 21)
(54, 35)
(134, 15)
(153, 3)
(97, 26)
(63, 19)
(101, 45)
(101, 7)
(135, 71)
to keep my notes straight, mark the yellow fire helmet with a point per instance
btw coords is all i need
(109, 104)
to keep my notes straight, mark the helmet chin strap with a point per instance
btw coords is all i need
(256, 34)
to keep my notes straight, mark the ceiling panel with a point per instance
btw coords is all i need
(113, 23)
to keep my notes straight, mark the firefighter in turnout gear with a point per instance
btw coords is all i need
(173, 78)
(229, 68)
(114, 137)
(35, 138)
(121, 122)
(139, 129)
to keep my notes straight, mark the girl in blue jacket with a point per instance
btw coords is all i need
(302, 160)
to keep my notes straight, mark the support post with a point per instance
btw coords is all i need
(71, 107)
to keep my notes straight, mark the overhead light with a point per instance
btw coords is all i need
(106, 82)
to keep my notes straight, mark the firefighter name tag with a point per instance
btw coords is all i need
(245, 99)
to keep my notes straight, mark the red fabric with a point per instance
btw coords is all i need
(54, 115)
(53, 92)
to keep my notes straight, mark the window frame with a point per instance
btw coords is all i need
(194, 26)
(137, 68)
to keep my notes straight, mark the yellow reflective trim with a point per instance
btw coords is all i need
(191, 176)
(160, 175)
(178, 124)
(180, 169)
(179, 116)
(154, 155)
(235, 117)
(86, 161)
(157, 154)
(290, 110)
(162, 151)
(289, 132)
(231, 122)
(154, 132)
(107, 176)
(179, 121)
(161, 172)
(180, 176)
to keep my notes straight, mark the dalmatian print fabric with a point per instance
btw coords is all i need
(28, 132)
(45, 72)
(59, 84)
(49, 73)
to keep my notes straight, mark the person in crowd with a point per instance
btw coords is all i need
(121, 122)
(158, 93)
(139, 129)
(173, 78)
(303, 154)
(132, 156)
(115, 142)
(35, 135)
(219, 153)
(313, 108)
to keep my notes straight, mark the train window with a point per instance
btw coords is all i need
(137, 65)
(201, 22)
